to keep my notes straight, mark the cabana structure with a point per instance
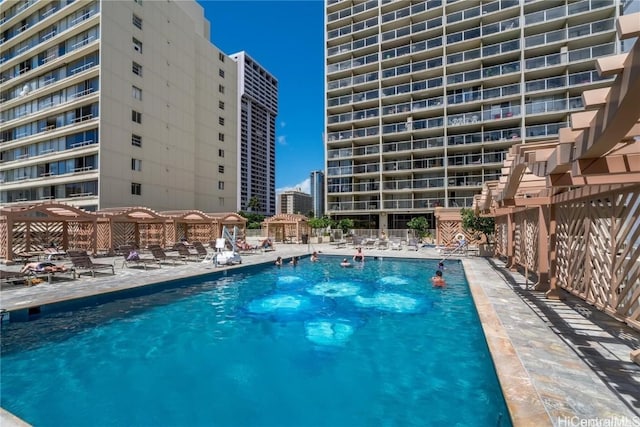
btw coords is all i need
(569, 209)
(192, 225)
(135, 225)
(286, 227)
(30, 228)
(449, 225)
(229, 220)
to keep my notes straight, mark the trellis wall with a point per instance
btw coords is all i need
(448, 229)
(4, 240)
(501, 236)
(151, 234)
(123, 233)
(81, 236)
(598, 250)
(526, 239)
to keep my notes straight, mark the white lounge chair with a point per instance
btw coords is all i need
(413, 245)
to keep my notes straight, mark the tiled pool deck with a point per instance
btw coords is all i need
(560, 363)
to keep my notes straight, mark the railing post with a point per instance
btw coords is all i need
(543, 249)
(553, 292)
(511, 265)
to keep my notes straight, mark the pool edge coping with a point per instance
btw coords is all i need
(523, 401)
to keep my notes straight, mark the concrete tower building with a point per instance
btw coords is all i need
(317, 193)
(424, 98)
(258, 101)
(295, 202)
(115, 103)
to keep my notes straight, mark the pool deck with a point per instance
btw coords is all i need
(560, 363)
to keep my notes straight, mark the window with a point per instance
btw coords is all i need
(138, 1)
(137, 21)
(220, 152)
(220, 185)
(137, 45)
(221, 121)
(221, 88)
(221, 105)
(136, 92)
(221, 136)
(137, 69)
(136, 140)
(136, 189)
(221, 72)
(136, 164)
(221, 56)
(220, 168)
(136, 116)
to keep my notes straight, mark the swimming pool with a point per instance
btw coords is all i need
(311, 345)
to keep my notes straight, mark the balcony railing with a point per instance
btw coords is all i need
(539, 131)
(541, 107)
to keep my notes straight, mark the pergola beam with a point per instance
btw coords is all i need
(612, 122)
(608, 165)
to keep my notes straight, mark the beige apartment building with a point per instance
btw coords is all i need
(295, 202)
(424, 98)
(116, 103)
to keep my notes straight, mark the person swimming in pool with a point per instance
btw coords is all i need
(279, 261)
(438, 280)
(359, 256)
(345, 263)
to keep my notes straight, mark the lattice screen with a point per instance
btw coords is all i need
(200, 233)
(599, 252)
(170, 233)
(151, 234)
(19, 237)
(4, 237)
(81, 235)
(501, 236)
(526, 239)
(123, 233)
(104, 237)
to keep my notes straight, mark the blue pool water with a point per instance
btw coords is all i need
(311, 345)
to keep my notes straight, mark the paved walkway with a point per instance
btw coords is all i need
(560, 363)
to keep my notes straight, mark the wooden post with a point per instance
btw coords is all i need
(510, 249)
(553, 292)
(543, 249)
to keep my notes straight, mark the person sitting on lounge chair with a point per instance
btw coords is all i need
(266, 243)
(43, 267)
(244, 246)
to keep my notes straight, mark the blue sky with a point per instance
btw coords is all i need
(285, 37)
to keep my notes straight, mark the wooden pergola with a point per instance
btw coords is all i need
(286, 227)
(136, 225)
(229, 220)
(28, 228)
(192, 225)
(569, 209)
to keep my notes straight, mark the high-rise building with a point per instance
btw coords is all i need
(424, 98)
(295, 202)
(317, 193)
(116, 103)
(258, 101)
